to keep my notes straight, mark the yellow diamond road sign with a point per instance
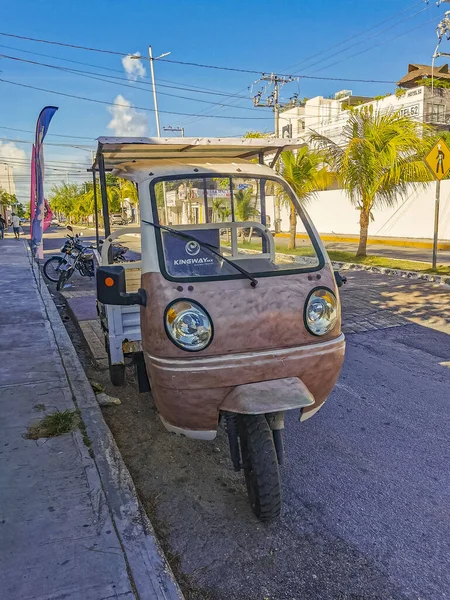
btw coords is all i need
(438, 159)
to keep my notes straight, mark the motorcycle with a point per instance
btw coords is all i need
(75, 255)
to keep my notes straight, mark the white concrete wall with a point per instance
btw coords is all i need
(412, 216)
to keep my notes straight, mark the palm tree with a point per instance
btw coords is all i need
(306, 173)
(245, 208)
(245, 205)
(377, 157)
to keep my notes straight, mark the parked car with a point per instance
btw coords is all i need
(118, 219)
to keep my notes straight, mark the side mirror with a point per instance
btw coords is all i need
(340, 279)
(111, 288)
(70, 228)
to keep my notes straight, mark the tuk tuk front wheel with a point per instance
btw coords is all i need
(260, 463)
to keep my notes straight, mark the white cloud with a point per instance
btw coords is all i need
(133, 67)
(126, 120)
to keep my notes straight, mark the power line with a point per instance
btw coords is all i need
(195, 64)
(76, 137)
(353, 37)
(47, 144)
(101, 76)
(376, 45)
(30, 39)
(32, 87)
(178, 86)
(369, 37)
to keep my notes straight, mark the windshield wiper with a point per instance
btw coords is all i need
(210, 247)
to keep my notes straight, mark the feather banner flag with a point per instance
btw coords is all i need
(37, 200)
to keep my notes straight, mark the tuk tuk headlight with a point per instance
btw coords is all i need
(188, 325)
(321, 311)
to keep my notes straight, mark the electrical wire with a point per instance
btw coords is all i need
(313, 56)
(101, 77)
(32, 87)
(76, 137)
(376, 45)
(369, 38)
(178, 86)
(192, 64)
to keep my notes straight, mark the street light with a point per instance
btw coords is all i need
(152, 71)
(174, 129)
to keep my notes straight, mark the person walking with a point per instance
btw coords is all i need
(2, 227)
(16, 225)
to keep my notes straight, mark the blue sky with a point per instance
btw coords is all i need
(255, 34)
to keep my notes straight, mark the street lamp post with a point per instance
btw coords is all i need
(174, 129)
(155, 102)
(152, 73)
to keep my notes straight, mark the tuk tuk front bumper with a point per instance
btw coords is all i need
(189, 393)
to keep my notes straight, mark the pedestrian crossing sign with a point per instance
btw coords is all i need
(438, 159)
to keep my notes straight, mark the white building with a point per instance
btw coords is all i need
(328, 116)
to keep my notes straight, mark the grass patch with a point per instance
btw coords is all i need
(39, 407)
(54, 424)
(389, 263)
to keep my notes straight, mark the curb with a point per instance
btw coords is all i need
(148, 567)
(441, 279)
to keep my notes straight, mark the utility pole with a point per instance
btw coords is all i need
(273, 100)
(174, 129)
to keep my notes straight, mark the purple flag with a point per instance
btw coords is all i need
(38, 211)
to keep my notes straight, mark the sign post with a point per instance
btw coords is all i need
(436, 222)
(438, 161)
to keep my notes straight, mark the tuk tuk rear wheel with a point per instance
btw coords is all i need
(259, 459)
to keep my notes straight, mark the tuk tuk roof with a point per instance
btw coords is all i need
(116, 151)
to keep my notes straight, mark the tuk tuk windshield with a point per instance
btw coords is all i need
(237, 217)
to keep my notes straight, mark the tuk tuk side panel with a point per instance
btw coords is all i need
(123, 323)
(269, 316)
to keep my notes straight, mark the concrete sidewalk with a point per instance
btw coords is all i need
(70, 523)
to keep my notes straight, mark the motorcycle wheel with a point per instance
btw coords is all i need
(51, 268)
(63, 278)
(260, 463)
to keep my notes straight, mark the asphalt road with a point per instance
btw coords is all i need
(55, 236)
(365, 486)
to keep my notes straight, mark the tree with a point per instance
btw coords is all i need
(245, 205)
(63, 199)
(255, 134)
(245, 208)
(306, 172)
(7, 200)
(377, 157)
